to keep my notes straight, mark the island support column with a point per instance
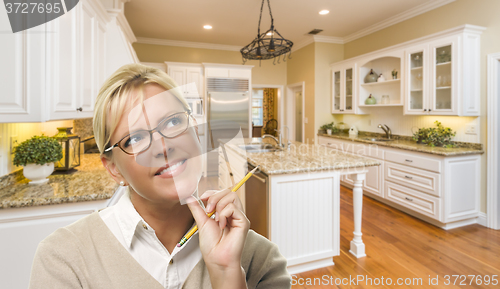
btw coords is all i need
(357, 245)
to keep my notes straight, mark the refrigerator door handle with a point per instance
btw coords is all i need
(208, 121)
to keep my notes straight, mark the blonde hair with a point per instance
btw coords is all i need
(115, 92)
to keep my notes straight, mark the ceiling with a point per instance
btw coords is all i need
(235, 22)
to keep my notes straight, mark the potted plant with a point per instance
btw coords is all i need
(38, 155)
(435, 136)
(329, 128)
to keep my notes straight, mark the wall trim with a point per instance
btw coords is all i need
(492, 153)
(421, 9)
(482, 219)
(166, 42)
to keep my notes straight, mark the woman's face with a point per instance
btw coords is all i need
(170, 169)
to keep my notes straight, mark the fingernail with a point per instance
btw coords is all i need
(209, 208)
(216, 216)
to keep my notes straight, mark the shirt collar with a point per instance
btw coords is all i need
(128, 218)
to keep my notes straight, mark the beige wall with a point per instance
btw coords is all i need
(267, 73)
(325, 54)
(301, 69)
(482, 13)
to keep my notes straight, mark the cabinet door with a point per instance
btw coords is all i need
(178, 74)
(444, 77)
(374, 180)
(416, 94)
(349, 87)
(336, 91)
(88, 65)
(194, 82)
(63, 66)
(22, 58)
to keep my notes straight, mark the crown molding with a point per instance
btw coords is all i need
(189, 44)
(328, 39)
(431, 5)
(302, 43)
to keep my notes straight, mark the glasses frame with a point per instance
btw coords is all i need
(151, 131)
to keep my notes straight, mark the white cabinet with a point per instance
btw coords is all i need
(24, 228)
(343, 89)
(436, 75)
(75, 63)
(188, 76)
(54, 71)
(443, 75)
(442, 190)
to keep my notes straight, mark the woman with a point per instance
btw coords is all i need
(149, 142)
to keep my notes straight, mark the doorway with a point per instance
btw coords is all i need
(266, 108)
(294, 112)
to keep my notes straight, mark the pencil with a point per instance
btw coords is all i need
(234, 189)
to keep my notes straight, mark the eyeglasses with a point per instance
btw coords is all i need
(140, 141)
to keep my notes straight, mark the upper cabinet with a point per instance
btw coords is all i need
(188, 76)
(436, 75)
(59, 66)
(344, 84)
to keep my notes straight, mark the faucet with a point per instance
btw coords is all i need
(387, 130)
(278, 141)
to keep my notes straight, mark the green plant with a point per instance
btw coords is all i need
(329, 126)
(435, 136)
(37, 150)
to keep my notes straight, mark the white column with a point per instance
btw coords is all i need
(357, 245)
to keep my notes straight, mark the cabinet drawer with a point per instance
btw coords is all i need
(414, 161)
(419, 202)
(421, 180)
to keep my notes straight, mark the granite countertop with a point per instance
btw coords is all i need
(89, 182)
(300, 158)
(406, 143)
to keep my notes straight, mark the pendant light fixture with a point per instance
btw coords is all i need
(267, 45)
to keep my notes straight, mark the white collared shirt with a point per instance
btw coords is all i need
(140, 240)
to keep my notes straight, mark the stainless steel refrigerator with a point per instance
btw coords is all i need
(228, 105)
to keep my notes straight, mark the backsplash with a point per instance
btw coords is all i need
(403, 124)
(83, 127)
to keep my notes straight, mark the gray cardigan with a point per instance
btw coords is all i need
(86, 254)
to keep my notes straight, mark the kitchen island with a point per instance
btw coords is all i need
(298, 204)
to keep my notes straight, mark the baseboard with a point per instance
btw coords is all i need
(482, 219)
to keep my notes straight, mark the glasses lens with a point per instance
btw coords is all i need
(136, 142)
(174, 125)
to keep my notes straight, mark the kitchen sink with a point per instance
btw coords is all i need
(377, 139)
(259, 148)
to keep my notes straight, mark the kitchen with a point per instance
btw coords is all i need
(384, 41)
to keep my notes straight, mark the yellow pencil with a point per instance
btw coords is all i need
(195, 228)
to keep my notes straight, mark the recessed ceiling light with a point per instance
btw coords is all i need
(323, 12)
(207, 27)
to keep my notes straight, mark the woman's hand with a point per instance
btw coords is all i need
(222, 239)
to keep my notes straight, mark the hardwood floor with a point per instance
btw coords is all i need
(401, 246)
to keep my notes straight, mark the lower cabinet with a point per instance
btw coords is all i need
(442, 190)
(21, 229)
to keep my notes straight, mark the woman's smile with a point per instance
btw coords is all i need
(172, 169)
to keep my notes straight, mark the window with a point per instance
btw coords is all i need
(257, 107)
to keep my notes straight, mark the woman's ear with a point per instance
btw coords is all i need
(112, 169)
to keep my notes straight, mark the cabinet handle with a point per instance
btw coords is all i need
(231, 174)
(410, 161)
(79, 108)
(408, 177)
(425, 109)
(411, 200)
(429, 109)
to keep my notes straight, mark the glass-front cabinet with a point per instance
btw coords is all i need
(431, 85)
(343, 89)
(443, 78)
(416, 82)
